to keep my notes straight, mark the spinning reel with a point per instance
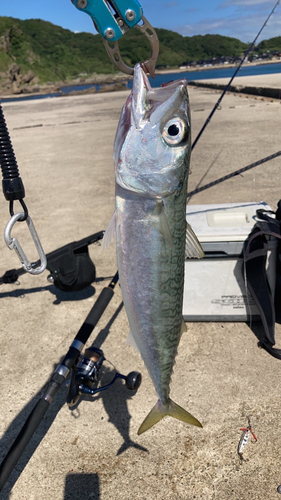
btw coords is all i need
(85, 373)
(84, 369)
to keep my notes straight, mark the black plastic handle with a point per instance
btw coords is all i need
(55, 384)
(22, 440)
(12, 184)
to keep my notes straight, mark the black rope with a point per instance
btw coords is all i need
(237, 172)
(232, 78)
(11, 208)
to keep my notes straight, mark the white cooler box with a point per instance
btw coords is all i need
(214, 287)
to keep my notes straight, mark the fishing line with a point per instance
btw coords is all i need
(203, 177)
(237, 172)
(232, 78)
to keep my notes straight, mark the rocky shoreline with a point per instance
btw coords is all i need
(14, 84)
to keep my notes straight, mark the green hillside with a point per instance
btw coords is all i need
(53, 54)
(272, 45)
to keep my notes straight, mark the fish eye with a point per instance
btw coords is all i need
(175, 131)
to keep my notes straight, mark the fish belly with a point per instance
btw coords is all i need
(151, 270)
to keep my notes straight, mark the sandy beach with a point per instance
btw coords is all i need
(64, 149)
(267, 81)
(260, 85)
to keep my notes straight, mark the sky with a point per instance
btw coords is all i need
(236, 18)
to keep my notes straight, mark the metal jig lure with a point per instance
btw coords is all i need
(245, 438)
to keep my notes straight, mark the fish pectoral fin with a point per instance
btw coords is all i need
(183, 327)
(171, 409)
(164, 226)
(131, 341)
(110, 233)
(193, 248)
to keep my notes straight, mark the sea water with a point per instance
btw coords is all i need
(210, 74)
(203, 74)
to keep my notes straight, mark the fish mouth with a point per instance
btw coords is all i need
(134, 109)
(146, 99)
(145, 105)
(142, 101)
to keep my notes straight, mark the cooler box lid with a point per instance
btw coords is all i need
(214, 287)
(225, 223)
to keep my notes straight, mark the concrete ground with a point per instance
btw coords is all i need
(64, 151)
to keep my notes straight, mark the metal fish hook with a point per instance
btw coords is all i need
(14, 244)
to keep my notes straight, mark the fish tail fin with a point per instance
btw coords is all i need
(160, 411)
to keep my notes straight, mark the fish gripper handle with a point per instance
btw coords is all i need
(12, 184)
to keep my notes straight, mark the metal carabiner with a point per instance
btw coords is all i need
(14, 244)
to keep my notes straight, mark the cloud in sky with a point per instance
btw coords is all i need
(192, 9)
(241, 24)
(237, 18)
(171, 4)
(239, 3)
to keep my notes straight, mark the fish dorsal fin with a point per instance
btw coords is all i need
(131, 341)
(193, 249)
(110, 233)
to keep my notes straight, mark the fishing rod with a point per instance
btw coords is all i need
(84, 370)
(233, 174)
(232, 78)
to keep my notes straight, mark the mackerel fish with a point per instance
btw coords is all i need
(152, 153)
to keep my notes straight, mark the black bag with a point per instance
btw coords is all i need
(70, 266)
(255, 257)
(71, 269)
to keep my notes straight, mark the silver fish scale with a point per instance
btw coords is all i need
(151, 273)
(152, 153)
